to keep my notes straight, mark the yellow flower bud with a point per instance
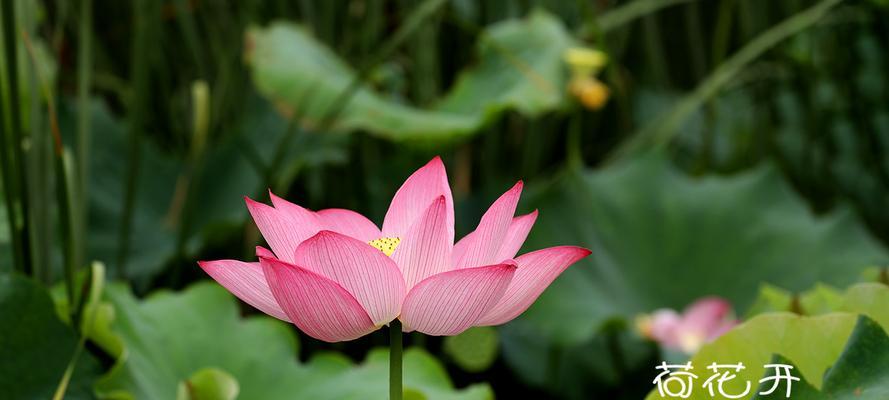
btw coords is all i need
(591, 93)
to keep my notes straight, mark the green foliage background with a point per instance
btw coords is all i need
(742, 153)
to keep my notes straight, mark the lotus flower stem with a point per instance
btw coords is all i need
(395, 351)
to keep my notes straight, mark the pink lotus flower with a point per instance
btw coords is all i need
(701, 322)
(337, 277)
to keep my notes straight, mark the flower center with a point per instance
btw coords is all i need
(690, 342)
(387, 244)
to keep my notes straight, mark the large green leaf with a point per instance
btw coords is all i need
(663, 239)
(170, 337)
(861, 372)
(519, 67)
(796, 338)
(36, 347)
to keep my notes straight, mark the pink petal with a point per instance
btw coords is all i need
(365, 272)
(305, 221)
(283, 229)
(705, 315)
(516, 235)
(247, 282)
(485, 242)
(460, 247)
(264, 252)
(664, 323)
(425, 249)
(451, 302)
(349, 223)
(536, 270)
(723, 327)
(317, 306)
(415, 195)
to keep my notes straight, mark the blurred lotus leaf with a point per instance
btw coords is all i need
(663, 239)
(36, 347)
(838, 338)
(876, 274)
(170, 336)
(519, 67)
(819, 300)
(869, 299)
(473, 350)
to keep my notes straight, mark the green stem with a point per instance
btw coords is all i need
(16, 184)
(186, 21)
(619, 16)
(722, 31)
(695, 36)
(189, 180)
(144, 17)
(426, 70)
(84, 81)
(39, 159)
(395, 353)
(89, 303)
(652, 39)
(64, 180)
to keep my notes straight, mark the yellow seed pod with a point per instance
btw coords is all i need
(387, 244)
(590, 92)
